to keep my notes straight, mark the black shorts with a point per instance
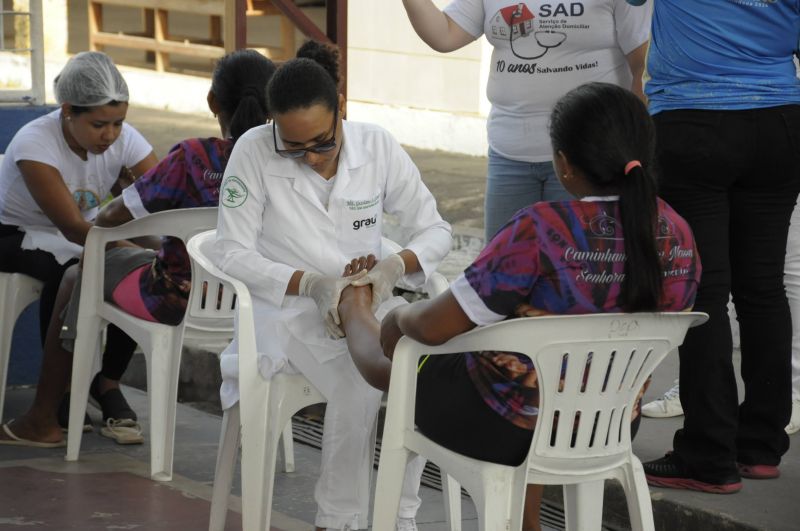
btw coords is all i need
(451, 412)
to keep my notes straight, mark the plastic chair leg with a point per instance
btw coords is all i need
(87, 346)
(451, 491)
(223, 473)
(255, 462)
(17, 291)
(7, 321)
(389, 487)
(162, 390)
(583, 505)
(288, 448)
(493, 503)
(637, 496)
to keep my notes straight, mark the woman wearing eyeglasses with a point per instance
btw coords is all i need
(300, 198)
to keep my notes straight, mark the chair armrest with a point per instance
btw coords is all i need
(525, 335)
(178, 223)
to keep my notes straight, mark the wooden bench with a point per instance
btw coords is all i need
(156, 40)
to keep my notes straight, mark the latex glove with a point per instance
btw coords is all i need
(326, 292)
(383, 278)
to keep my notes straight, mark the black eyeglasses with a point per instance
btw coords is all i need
(320, 147)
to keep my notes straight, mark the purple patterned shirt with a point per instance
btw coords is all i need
(563, 258)
(188, 177)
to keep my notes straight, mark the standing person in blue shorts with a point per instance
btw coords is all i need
(726, 104)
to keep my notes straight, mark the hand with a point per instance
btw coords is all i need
(390, 333)
(326, 292)
(383, 278)
(526, 310)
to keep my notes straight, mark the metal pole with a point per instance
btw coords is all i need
(336, 22)
(37, 52)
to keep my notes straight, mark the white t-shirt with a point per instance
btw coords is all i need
(543, 49)
(89, 181)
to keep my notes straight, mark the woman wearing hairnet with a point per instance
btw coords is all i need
(56, 172)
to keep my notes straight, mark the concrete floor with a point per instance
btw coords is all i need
(109, 487)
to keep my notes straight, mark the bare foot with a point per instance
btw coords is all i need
(33, 428)
(356, 299)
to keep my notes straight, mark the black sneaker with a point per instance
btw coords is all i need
(112, 403)
(63, 415)
(671, 472)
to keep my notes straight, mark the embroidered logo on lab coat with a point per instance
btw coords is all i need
(363, 204)
(234, 192)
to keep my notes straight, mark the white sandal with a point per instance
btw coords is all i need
(125, 431)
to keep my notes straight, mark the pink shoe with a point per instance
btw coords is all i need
(758, 471)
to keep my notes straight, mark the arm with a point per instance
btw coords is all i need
(431, 322)
(128, 175)
(141, 167)
(632, 25)
(429, 237)
(434, 27)
(114, 214)
(636, 60)
(47, 188)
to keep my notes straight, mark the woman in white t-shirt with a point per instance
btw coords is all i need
(542, 50)
(59, 168)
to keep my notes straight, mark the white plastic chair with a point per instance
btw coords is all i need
(160, 343)
(264, 408)
(578, 453)
(17, 291)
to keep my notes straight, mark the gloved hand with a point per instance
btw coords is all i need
(326, 292)
(383, 278)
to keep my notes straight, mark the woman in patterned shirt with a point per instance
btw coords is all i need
(616, 247)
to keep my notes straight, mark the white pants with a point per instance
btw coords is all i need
(343, 489)
(792, 281)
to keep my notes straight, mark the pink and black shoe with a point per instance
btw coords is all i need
(758, 471)
(671, 472)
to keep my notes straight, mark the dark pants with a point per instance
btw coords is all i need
(734, 176)
(41, 265)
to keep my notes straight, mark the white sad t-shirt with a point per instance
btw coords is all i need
(88, 181)
(543, 49)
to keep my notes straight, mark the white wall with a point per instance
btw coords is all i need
(425, 98)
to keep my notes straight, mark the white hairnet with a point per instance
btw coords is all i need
(90, 79)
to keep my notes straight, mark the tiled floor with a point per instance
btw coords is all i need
(109, 487)
(39, 497)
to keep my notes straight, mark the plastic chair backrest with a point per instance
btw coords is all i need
(182, 224)
(211, 308)
(604, 360)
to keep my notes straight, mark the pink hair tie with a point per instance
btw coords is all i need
(631, 165)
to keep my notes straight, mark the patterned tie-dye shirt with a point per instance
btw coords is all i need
(564, 257)
(188, 177)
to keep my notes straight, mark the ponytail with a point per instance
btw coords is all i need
(239, 85)
(250, 112)
(638, 207)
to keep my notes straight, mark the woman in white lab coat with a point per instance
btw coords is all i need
(300, 198)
